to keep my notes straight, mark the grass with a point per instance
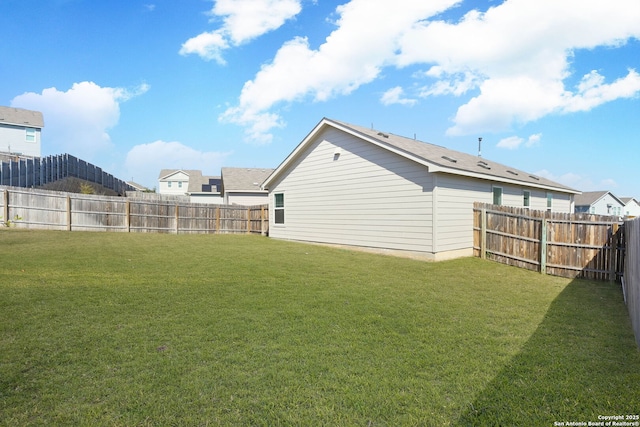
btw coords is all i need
(146, 329)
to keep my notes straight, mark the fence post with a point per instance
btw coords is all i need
(5, 208)
(68, 213)
(483, 233)
(127, 215)
(612, 252)
(218, 219)
(262, 220)
(543, 246)
(177, 217)
(248, 220)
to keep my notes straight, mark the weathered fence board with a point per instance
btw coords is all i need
(631, 278)
(567, 245)
(41, 209)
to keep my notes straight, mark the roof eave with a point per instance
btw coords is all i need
(431, 167)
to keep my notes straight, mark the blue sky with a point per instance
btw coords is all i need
(552, 87)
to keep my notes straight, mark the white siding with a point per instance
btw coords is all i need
(246, 199)
(608, 205)
(365, 196)
(175, 187)
(454, 197)
(632, 208)
(211, 199)
(14, 139)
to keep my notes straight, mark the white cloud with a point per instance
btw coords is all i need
(396, 96)
(519, 54)
(243, 21)
(593, 91)
(510, 143)
(534, 140)
(77, 121)
(514, 58)
(207, 45)
(579, 182)
(514, 142)
(365, 41)
(144, 162)
(457, 85)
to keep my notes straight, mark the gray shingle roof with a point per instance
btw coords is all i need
(588, 198)
(21, 117)
(452, 161)
(167, 172)
(244, 179)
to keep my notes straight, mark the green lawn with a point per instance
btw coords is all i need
(121, 329)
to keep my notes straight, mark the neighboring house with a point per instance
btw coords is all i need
(242, 186)
(199, 188)
(137, 187)
(354, 186)
(174, 181)
(631, 207)
(599, 203)
(20, 131)
(205, 189)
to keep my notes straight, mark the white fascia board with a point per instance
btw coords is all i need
(296, 151)
(257, 190)
(172, 174)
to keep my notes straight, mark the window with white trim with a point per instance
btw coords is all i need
(549, 201)
(497, 195)
(279, 208)
(526, 196)
(30, 135)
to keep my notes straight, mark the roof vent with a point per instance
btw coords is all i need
(534, 177)
(512, 172)
(483, 164)
(451, 159)
(384, 135)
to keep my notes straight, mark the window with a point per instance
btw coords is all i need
(527, 198)
(169, 184)
(30, 135)
(549, 201)
(279, 208)
(497, 195)
(179, 184)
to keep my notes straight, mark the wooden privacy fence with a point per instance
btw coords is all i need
(40, 209)
(34, 172)
(631, 278)
(567, 245)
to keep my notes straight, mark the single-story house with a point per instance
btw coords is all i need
(355, 186)
(631, 207)
(20, 131)
(241, 186)
(599, 203)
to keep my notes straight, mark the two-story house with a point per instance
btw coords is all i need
(20, 131)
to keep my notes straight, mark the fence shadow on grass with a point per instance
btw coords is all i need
(581, 362)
